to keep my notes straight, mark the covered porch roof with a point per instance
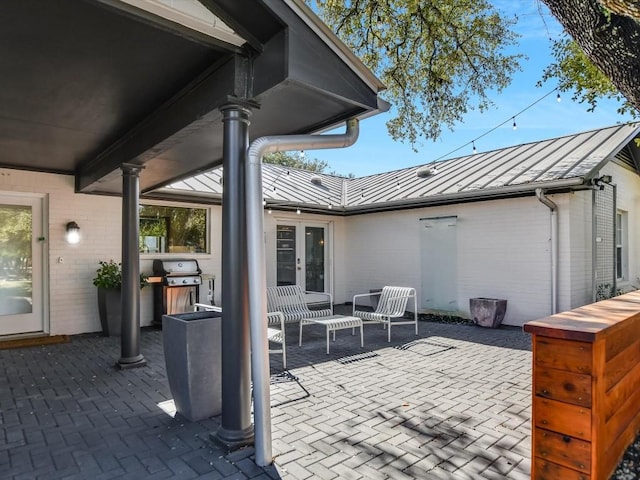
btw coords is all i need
(86, 86)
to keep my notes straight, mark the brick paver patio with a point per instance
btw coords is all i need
(452, 403)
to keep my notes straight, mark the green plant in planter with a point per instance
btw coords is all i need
(108, 279)
(109, 275)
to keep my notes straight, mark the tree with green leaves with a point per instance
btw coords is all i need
(608, 33)
(295, 160)
(574, 72)
(437, 59)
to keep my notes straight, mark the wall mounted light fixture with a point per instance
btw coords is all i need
(73, 233)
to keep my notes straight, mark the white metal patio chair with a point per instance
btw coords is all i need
(290, 300)
(391, 305)
(275, 335)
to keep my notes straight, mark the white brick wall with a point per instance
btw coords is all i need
(503, 252)
(73, 304)
(503, 249)
(576, 275)
(628, 199)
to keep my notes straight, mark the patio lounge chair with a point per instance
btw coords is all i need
(290, 300)
(275, 335)
(392, 304)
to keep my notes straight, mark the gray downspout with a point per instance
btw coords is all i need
(554, 247)
(257, 271)
(615, 240)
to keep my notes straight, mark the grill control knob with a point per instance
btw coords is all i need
(171, 282)
(185, 281)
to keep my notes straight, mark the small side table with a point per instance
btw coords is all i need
(333, 323)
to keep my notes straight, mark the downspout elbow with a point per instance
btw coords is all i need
(545, 200)
(283, 143)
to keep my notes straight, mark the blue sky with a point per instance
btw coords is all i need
(376, 152)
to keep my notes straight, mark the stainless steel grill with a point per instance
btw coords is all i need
(179, 288)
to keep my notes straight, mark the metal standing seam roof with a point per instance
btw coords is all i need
(564, 160)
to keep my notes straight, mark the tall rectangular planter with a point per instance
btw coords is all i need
(110, 311)
(487, 312)
(192, 352)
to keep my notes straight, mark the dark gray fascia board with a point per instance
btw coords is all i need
(554, 186)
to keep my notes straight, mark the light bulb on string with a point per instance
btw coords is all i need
(298, 212)
(269, 211)
(474, 147)
(558, 98)
(515, 127)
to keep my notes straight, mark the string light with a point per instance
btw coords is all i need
(298, 212)
(558, 98)
(515, 127)
(472, 142)
(269, 211)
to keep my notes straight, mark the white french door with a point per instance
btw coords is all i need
(302, 255)
(21, 264)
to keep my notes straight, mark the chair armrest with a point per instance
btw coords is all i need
(363, 295)
(326, 294)
(204, 306)
(274, 318)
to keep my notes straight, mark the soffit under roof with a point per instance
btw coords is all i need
(88, 85)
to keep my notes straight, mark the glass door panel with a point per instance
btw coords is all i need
(20, 258)
(314, 264)
(16, 285)
(301, 256)
(286, 258)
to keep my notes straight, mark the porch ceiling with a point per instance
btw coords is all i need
(88, 85)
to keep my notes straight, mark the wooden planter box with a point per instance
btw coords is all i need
(586, 400)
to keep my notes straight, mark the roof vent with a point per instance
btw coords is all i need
(316, 180)
(426, 171)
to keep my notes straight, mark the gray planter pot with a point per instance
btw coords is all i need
(487, 312)
(110, 311)
(192, 344)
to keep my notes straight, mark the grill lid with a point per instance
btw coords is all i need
(176, 267)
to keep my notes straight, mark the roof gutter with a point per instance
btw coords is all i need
(475, 195)
(257, 277)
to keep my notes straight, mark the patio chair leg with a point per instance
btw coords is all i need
(389, 332)
(361, 337)
(334, 337)
(300, 335)
(284, 355)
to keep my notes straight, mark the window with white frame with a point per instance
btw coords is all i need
(168, 229)
(622, 263)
